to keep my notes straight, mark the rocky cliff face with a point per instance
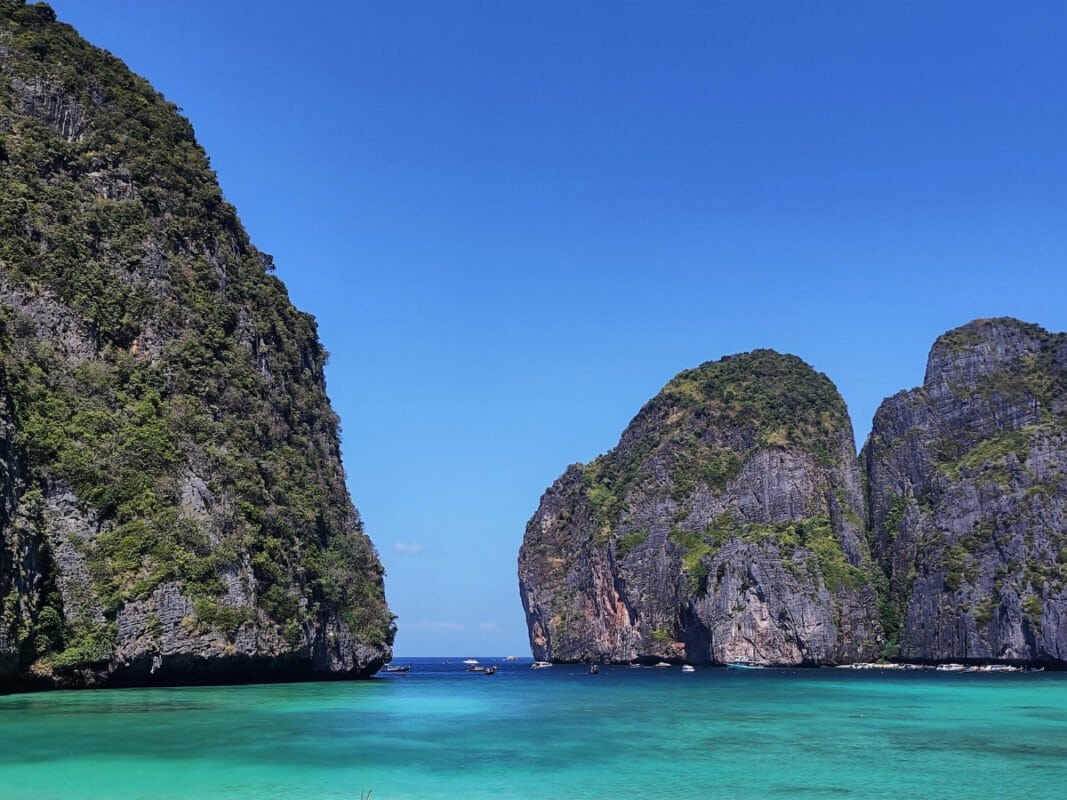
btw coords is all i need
(10, 489)
(967, 487)
(172, 501)
(727, 523)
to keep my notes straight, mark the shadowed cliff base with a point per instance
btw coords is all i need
(190, 670)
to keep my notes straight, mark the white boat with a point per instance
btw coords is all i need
(512, 658)
(541, 665)
(471, 661)
(688, 668)
(744, 663)
(950, 668)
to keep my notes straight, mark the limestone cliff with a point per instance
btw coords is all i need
(967, 488)
(172, 500)
(727, 523)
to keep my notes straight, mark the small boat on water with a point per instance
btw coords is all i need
(688, 668)
(396, 668)
(512, 658)
(744, 663)
(490, 671)
(950, 668)
(471, 661)
(541, 665)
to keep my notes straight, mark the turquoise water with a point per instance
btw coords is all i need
(439, 732)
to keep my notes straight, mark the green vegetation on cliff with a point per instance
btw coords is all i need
(763, 398)
(180, 359)
(814, 534)
(777, 400)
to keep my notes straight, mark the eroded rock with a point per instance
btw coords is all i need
(967, 479)
(727, 523)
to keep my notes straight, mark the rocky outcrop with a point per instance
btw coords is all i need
(727, 523)
(172, 501)
(967, 488)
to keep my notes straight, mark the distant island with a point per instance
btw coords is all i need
(734, 521)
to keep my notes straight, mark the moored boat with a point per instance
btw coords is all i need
(541, 665)
(744, 663)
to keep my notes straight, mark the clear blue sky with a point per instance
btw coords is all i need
(515, 221)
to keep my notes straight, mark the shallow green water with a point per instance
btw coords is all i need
(440, 732)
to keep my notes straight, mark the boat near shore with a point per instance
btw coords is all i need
(745, 663)
(886, 665)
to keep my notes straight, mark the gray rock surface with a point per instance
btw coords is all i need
(173, 506)
(726, 524)
(967, 490)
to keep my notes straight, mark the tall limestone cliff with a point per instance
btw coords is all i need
(172, 501)
(967, 488)
(727, 523)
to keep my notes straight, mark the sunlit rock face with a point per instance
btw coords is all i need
(727, 523)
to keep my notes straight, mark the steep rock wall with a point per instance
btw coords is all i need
(727, 523)
(173, 503)
(967, 488)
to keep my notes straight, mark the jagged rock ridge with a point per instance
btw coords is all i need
(694, 537)
(172, 501)
(727, 523)
(967, 488)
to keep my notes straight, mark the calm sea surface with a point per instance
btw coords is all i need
(440, 732)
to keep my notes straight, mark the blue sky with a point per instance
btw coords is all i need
(515, 221)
